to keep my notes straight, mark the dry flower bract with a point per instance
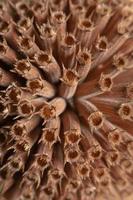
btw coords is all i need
(66, 99)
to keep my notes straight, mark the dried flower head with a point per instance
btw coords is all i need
(66, 99)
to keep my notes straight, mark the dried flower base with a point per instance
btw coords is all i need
(66, 100)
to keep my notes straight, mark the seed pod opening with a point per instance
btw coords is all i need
(105, 82)
(25, 108)
(125, 111)
(14, 94)
(95, 120)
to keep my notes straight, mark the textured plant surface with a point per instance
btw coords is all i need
(66, 100)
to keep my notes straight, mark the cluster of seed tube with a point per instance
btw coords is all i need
(66, 99)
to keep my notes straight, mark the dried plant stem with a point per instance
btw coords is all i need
(41, 87)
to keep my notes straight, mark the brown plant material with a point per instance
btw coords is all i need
(83, 63)
(67, 50)
(28, 107)
(49, 65)
(69, 83)
(66, 100)
(41, 87)
(53, 109)
(23, 126)
(26, 69)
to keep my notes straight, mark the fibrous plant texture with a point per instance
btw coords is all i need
(66, 99)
